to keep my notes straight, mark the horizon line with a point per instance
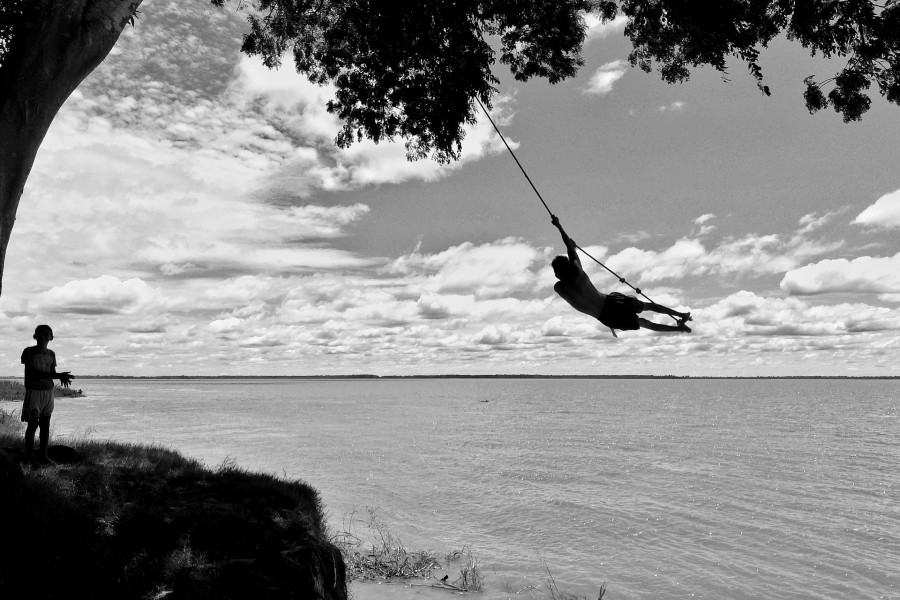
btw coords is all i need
(476, 376)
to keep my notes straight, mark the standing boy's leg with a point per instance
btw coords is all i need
(29, 440)
(44, 424)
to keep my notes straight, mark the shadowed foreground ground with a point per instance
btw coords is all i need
(113, 520)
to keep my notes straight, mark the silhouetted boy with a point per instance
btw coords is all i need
(40, 371)
(615, 310)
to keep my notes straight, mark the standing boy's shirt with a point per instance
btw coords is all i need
(36, 362)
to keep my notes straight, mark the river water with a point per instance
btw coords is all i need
(657, 488)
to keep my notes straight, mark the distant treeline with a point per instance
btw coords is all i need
(460, 376)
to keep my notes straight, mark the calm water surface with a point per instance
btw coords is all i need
(724, 489)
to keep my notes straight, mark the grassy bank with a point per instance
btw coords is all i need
(112, 520)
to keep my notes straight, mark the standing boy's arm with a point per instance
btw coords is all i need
(65, 377)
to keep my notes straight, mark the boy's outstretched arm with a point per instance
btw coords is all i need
(571, 247)
(65, 378)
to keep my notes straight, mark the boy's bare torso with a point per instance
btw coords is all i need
(582, 295)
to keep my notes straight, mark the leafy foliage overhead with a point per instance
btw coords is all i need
(411, 69)
(679, 34)
(11, 16)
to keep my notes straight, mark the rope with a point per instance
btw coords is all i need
(541, 198)
(513, 154)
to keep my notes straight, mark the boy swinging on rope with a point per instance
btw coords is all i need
(615, 310)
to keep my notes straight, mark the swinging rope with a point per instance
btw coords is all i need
(541, 198)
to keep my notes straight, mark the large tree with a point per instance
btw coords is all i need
(413, 69)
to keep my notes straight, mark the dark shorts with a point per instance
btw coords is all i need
(37, 404)
(621, 311)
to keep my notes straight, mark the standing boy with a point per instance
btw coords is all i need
(40, 371)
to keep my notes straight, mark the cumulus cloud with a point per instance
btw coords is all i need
(885, 213)
(601, 82)
(99, 296)
(297, 108)
(677, 261)
(747, 313)
(486, 270)
(864, 274)
(159, 210)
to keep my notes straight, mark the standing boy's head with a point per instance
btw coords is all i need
(43, 333)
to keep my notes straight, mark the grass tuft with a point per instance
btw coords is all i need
(470, 578)
(383, 558)
(386, 559)
(556, 594)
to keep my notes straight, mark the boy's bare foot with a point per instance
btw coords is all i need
(686, 317)
(683, 327)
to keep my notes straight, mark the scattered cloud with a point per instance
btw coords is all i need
(433, 311)
(752, 255)
(676, 106)
(599, 29)
(885, 213)
(634, 237)
(704, 229)
(601, 82)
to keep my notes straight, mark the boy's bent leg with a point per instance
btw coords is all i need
(666, 310)
(660, 327)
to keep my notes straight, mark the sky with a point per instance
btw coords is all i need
(189, 214)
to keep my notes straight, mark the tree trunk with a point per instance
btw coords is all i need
(51, 52)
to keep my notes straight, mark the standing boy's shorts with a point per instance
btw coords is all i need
(621, 312)
(38, 403)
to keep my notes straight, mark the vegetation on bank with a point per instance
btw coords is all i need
(112, 520)
(383, 558)
(14, 391)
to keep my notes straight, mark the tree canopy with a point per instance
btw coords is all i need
(411, 69)
(679, 34)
